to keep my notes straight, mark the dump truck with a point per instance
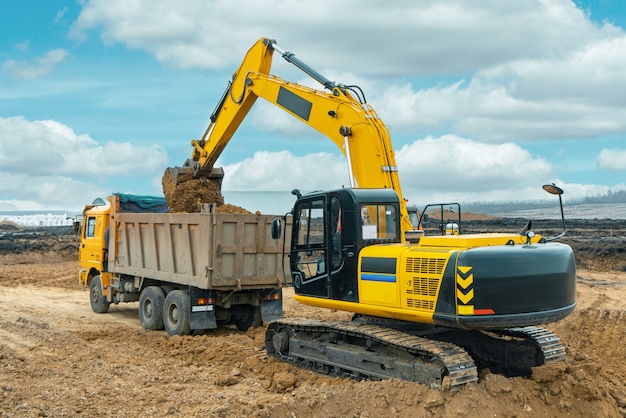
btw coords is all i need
(188, 271)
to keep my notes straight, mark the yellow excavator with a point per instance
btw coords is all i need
(434, 309)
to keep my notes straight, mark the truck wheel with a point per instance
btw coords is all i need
(244, 317)
(257, 321)
(176, 313)
(151, 304)
(98, 303)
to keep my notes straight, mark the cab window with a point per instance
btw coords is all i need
(310, 225)
(90, 227)
(379, 222)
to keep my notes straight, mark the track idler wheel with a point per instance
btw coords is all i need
(280, 343)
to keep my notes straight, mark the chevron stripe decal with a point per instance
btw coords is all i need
(465, 298)
(464, 290)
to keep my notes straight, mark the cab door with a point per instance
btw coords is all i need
(92, 246)
(309, 248)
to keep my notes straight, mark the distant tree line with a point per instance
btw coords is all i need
(504, 206)
(610, 197)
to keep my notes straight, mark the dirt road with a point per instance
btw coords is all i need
(58, 358)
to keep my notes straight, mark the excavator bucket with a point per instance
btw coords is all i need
(185, 188)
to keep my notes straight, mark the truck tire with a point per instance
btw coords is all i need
(151, 304)
(244, 317)
(176, 313)
(258, 318)
(98, 302)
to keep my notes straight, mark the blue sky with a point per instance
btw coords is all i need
(484, 100)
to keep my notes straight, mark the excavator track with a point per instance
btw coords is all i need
(511, 351)
(547, 342)
(364, 351)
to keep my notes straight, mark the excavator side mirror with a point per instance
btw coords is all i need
(554, 189)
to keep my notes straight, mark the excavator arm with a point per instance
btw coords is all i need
(341, 114)
(232, 108)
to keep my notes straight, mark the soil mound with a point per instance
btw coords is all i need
(189, 194)
(34, 244)
(228, 208)
(9, 226)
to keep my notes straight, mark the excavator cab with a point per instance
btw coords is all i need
(330, 229)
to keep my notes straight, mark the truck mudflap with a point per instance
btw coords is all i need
(202, 309)
(363, 351)
(272, 306)
(202, 317)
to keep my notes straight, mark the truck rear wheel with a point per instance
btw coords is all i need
(176, 313)
(246, 316)
(151, 304)
(99, 303)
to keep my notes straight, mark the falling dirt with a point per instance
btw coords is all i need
(58, 358)
(183, 193)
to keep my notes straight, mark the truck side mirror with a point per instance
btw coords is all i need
(276, 228)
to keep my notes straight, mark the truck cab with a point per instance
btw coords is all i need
(93, 242)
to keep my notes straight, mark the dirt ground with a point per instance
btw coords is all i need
(58, 358)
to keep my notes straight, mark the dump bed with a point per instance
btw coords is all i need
(209, 250)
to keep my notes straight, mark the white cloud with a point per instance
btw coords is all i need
(47, 162)
(459, 169)
(49, 147)
(39, 68)
(272, 171)
(516, 71)
(60, 14)
(574, 95)
(25, 191)
(22, 46)
(612, 159)
(214, 34)
(432, 169)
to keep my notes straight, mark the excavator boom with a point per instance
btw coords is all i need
(341, 114)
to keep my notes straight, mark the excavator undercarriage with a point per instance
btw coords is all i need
(441, 358)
